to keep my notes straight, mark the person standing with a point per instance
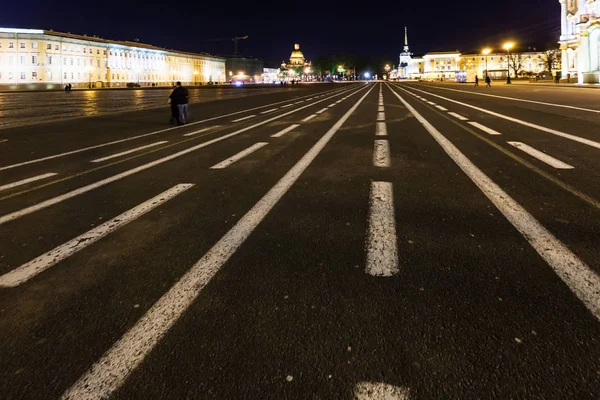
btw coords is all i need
(180, 98)
(488, 81)
(476, 80)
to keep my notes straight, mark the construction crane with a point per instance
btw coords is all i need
(234, 39)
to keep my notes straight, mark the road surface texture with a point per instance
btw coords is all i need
(338, 241)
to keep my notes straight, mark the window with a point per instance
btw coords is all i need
(64, 61)
(78, 75)
(97, 51)
(56, 47)
(34, 75)
(10, 75)
(49, 60)
(113, 76)
(48, 46)
(22, 60)
(34, 60)
(71, 60)
(11, 45)
(34, 45)
(98, 63)
(49, 75)
(22, 75)
(72, 75)
(84, 50)
(65, 75)
(23, 46)
(104, 52)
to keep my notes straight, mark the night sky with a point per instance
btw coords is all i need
(375, 29)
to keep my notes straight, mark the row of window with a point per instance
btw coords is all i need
(85, 75)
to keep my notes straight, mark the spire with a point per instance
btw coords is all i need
(405, 36)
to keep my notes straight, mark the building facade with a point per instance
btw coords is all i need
(298, 67)
(35, 58)
(580, 40)
(247, 69)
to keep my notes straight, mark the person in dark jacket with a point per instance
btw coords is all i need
(179, 97)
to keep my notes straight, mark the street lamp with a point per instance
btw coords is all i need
(341, 70)
(507, 47)
(486, 52)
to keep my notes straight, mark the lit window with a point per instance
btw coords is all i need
(34, 45)
(22, 60)
(84, 50)
(11, 45)
(97, 51)
(48, 46)
(34, 60)
(71, 61)
(55, 47)
(34, 75)
(98, 63)
(22, 46)
(65, 75)
(72, 75)
(22, 75)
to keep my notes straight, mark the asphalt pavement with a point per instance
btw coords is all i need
(395, 240)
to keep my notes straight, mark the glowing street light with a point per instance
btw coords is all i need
(507, 47)
(367, 75)
(485, 52)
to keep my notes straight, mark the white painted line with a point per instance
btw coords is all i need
(381, 154)
(123, 153)
(244, 118)
(322, 110)
(26, 181)
(381, 247)
(284, 131)
(331, 105)
(3, 140)
(484, 128)
(201, 130)
(109, 373)
(553, 162)
(380, 391)
(380, 129)
(309, 117)
(310, 98)
(380, 109)
(287, 105)
(298, 102)
(441, 108)
(227, 162)
(55, 200)
(380, 116)
(432, 103)
(56, 255)
(578, 276)
(455, 115)
(518, 121)
(268, 111)
(339, 101)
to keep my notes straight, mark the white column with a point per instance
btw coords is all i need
(583, 59)
(563, 18)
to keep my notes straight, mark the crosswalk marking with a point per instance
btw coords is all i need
(26, 181)
(553, 162)
(243, 118)
(484, 128)
(123, 153)
(381, 154)
(458, 116)
(109, 373)
(382, 251)
(284, 131)
(54, 256)
(227, 162)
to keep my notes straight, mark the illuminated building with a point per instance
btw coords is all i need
(39, 58)
(580, 40)
(298, 65)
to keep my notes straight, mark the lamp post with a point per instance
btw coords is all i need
(341, 70)
(486, 52)
(507, 47)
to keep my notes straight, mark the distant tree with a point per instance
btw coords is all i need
(551, 59)
(516, 63)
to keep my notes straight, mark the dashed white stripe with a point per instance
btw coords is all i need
(578, 276)
(26, 181)
(380, 391)
(226, 163)
(381, 247)
(484, 128)
(322, 110)
(380, 116)
(244, 118)
(455, 115)
(56, 255)
(268, 111)
(200, 130)
(380, 129)
(432, 103)
(441, 108)
(110, 372)
(287, 105)
(309, 117)
(553, 162)
(381, 154)
(380, 109)
(123, 153)
(284, 131)
(331, 105)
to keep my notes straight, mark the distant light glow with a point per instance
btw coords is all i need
(18, 30)
(367, 75)
(238, 83)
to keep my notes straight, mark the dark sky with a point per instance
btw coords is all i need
(374, 29)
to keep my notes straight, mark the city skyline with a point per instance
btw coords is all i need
(370, 33)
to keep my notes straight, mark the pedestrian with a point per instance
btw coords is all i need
(70, 87)
(488, 81)
(67, 88)
(174, 112)
(180, 97)
(476, 80)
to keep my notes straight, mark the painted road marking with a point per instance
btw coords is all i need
(441, 108)
(123, 153)
(380, 129)
(380, 108)
(227, 162)
(484, 128)
(381, 154)
(380, 391)
(331, 105)
(432, 103)
(268, 111)
(339, 101)
(380, 116)
(56, 255)
(553, 162)
(382, 251)
(201, 130)
(322, 110)
(309, 117)
(286, 130)
(244, 118)
(578, 276)
(518, 121)
(55, 200)
(455, 115)
(25, 181)
(110, 372)
(287, 105)
(3, 140)
(334, 93)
